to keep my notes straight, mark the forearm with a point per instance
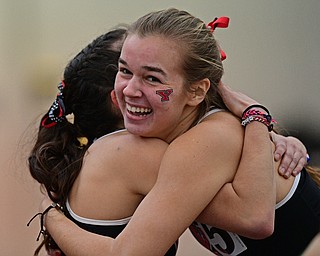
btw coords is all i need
(254, 182)
(73, 240)
(246, 206)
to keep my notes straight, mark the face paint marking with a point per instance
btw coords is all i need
(164, 94)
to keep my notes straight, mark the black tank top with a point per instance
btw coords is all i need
(297, 221)
(110, 228)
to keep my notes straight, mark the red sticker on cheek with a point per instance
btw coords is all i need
(164, 94)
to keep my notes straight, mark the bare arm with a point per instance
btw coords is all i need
(313, 248)
(246, 206)
(184, 188)
(248, 211)
(289, 150)
(193, 170)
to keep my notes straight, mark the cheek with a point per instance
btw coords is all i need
(164, 94)
(118, 88)
(165, 101)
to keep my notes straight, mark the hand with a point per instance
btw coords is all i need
(291, 152)
(236, 102)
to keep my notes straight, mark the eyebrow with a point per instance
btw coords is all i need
(148, 68)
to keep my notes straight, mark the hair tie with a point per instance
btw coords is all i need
(57, 110)
(83, 141)
(222, 22)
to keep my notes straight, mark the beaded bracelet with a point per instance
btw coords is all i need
(249, 115)
(42, 215)
(260, 119)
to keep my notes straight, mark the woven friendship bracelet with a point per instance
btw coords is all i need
(250, 114)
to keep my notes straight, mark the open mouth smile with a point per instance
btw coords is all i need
(138, 111)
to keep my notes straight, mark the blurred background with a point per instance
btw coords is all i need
(273, 55)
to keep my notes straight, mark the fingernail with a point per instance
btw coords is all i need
(281, 170)
(277, 157)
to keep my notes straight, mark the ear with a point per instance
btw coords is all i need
(199, 92)
(114, 99)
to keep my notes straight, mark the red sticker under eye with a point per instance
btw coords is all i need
(164, 94)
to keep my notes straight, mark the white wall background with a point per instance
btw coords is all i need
(273, 54)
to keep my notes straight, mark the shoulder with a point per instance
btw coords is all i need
(199, 162)
(221, 128)
(124, 142)
(215, 143)
(132, 159)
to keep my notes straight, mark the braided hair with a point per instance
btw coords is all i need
(56, 158)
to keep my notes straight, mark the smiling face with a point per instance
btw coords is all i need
(150, 88)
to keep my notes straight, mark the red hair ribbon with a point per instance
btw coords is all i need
(222, 22)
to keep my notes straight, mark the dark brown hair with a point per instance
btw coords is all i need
(56, 158)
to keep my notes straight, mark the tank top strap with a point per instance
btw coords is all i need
(108, 134)
(210, 112)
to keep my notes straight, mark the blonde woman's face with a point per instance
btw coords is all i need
(149, 87)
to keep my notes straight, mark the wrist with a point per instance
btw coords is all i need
(52, 213)
(257, 113)
(54, 210)
(256, 107)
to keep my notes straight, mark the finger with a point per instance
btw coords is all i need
(298, 161)
(302, 162)
(291, 167)
(286, 160)
(299, 167)
(282, 168)
(279, 151)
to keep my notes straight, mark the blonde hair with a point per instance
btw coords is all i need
(314, 172)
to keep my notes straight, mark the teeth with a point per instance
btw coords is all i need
(139, 110)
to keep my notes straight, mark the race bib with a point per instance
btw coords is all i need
(218, 241)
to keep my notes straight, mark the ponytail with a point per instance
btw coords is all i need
(314, 172)
(56, 159)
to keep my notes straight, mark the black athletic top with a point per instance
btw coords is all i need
(111, 228)
(297, 221)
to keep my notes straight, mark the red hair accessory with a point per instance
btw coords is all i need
(56, 112)
(222, 22)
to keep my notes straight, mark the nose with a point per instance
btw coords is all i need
(133, 88)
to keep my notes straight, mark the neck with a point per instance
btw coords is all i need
(190, 115)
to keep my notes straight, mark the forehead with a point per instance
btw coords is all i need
(156, 51)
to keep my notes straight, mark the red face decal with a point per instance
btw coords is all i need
(164, 94)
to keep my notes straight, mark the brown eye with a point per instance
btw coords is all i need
(153, 79)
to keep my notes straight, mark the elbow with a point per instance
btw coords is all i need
(261, 226)
(261, 229)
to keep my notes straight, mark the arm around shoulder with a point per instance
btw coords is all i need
(246, 206)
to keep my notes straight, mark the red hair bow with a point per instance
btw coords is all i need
(222, 22)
